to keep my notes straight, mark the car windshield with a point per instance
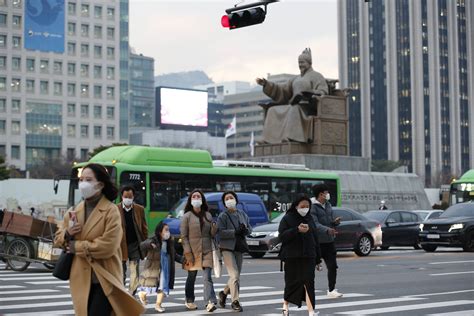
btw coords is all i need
(178, 209)
(278, 218)
(422, 214)
(459, 210)
(378, 216)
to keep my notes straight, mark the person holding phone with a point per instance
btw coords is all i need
(300, 253)
(326, 223)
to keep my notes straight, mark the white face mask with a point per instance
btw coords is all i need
(230, 203)
(88, 189)
(196, 203)
(166, 235)
(127, 202)
(328, 196)
(303, 211)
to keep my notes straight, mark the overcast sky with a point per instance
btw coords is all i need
(187, 35)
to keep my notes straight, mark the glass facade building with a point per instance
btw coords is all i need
(142, 92)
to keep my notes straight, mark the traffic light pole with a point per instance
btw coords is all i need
(251, 5)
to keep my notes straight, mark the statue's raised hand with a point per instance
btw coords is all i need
(261, 81)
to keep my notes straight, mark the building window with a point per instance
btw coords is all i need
(84, 131)
(16, 63)
(16, 42)
(15, 152)
(110, 33)
(44, 87)
(110, 13)
(16, 84)
(110, 52)
(85, 10)
(71, 8)
(97, 72)
(3, 62)
(71, 69)
(97, 31)
(98, 92)
(58, 67)
(44, 66)
(71, 89)
(71, 109)
(58, 88)
(16, 127)
(84, 110)
(16, 106)
(71, 154)
(85, 90)
(98, 132)
(16, 21)
(71, 29)
(3, 19)
(71, 49)
(30, 86)
(84, 30)
(97, 51)
(97, 111)
(110, 112)
(110, 92)
(71, 130)
(3, 105)
(98, 12)
(3, 83)
(84, 153)
(3, 41)
(30, 64)
(110, 73)
(3, 127)
(85, 50)
(84, 70)
(110, 132)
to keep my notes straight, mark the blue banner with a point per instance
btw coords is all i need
(44, 25)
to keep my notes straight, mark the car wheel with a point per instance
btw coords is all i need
(364, 246)
(429, 248)
(469, 243)
(384, 247)
(417, 245)
(256, 255)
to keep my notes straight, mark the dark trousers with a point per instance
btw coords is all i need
(98, 303)
(329, 253)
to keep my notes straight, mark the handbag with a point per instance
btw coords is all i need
(240, 241)
(62, 268)
(216, 260)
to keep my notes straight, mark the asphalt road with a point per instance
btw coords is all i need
(400, 281)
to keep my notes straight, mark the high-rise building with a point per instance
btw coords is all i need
(61, 70)
(142, 93)
(410, 65)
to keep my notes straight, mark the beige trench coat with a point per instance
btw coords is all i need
(197, 243)
(97, 248)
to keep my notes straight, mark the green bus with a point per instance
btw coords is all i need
(162, 176)
(462, 190)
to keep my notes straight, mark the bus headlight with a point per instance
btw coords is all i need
(455, 227)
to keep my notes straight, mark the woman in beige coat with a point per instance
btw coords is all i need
(197, 233)
(93, 231)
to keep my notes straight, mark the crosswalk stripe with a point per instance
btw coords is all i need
(440, 293)
(62, 312)
(27, 291)
(460, 313)
(452, 273)
(366, 302)
(11, 287)
(36, 305)
(408, 307)
(23, 278)
(48, 282)
(33, 298)
(11, 276)
(273, 293)
(244, 288)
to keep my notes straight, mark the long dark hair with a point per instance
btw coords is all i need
(231, 193)
(300, 198)
(204, 207)
(102, 175)
(158, 229)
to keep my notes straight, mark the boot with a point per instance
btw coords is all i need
(159, 300)
(142, 297)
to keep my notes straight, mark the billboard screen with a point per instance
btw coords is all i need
(44, 25)
(183, 107)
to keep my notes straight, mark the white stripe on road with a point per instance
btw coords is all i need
(366, 302)
(242, 274)
(36, 305)
(11, 287)
(26, 274)
(460, 313)
(48, 282)
(272, 293)
(451, 262)
(63, 312)
(27, 291)
(440, 293)
(23, 278)
(243, 288)
(33, 298)
(393, 309)
(452, 273)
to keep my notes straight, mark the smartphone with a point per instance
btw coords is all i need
(72, 218)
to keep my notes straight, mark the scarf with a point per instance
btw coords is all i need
(165, 269)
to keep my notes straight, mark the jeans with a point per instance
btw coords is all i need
(98, 303)
(209, 294)
(233, 264)
(329, 253)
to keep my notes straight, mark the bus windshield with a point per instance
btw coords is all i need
(462, 190)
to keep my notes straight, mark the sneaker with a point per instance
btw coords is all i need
(159, 308)
(334, 294)
(190, 305)
(142, 297)
(222, 299)
(236, 306)
(315, 313)
(211, 307)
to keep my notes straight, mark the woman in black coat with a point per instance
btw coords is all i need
(301, 254)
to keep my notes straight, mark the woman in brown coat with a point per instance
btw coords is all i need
(197, 233)
(93, 231)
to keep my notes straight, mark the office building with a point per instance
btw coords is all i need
(217, 91)
(60, 84)
(142, 93)
(409, 64)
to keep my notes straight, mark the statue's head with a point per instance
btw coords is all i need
(305, 60)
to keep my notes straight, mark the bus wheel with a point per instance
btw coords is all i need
(256, 255)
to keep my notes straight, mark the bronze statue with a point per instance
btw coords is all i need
(287, 119)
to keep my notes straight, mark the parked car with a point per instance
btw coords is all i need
(453, 228)
(399, 228)
(428, 214)
(355, 233)
(250, 203)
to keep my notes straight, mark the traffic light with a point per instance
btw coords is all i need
(245, 15)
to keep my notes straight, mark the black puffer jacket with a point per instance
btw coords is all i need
(296, 244)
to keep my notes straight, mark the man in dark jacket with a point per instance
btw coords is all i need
(323, 216)
(135, 230)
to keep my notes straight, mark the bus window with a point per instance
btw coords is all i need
(137, 181)
(257, 186)
(228, 186)
(307, 185)
(198, 181)
(283, 192)
(165, 191)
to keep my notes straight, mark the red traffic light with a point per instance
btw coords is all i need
(243, 18)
